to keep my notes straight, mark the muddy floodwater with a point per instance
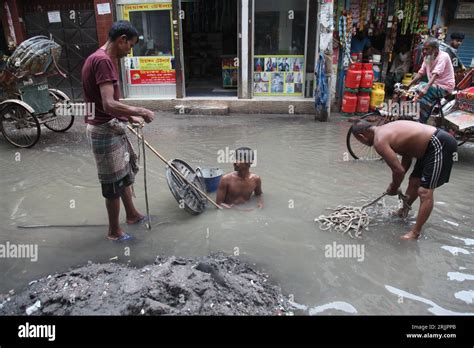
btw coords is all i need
(304, 169)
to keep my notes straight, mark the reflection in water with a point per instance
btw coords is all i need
(466, 296)
(303, 169)
(340, 306)
(460, 277)
(455, 250)
(435, 309)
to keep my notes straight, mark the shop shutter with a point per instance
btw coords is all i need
(466, 26)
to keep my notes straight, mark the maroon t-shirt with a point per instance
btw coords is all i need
(99, 68)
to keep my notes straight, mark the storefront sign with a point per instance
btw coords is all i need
(150, 63)
(145, 7)
(151, 70)
(152, 77)
(278, 75)
(465, 10)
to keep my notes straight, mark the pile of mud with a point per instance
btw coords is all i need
(213, 285)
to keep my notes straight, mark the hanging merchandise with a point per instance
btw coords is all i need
(416, 16)
(380, 14)
(345, 36)
(407, 16)
(355, 12)
(363, 14)
(322, 95)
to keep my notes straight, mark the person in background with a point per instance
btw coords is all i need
(452, 50)
(400, 66)
(360, 43)
(437, 66)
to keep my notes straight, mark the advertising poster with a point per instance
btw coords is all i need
(229, 73)
(278, 75)
(151, 70)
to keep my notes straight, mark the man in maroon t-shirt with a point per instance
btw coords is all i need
(106, 128)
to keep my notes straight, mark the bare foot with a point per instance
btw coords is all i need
(402, 213)
(116, 235)
(412, 235)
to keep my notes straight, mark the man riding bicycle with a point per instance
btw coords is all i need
(439, 69)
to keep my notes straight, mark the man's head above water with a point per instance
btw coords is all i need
(244, 157)
(364, 132)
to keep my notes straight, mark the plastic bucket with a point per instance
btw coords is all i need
(211, 176)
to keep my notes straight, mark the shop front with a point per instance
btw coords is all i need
(280, 38)
(219, 48)
(149, 71)
(381, 36)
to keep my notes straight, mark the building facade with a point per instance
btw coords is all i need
(187, 48)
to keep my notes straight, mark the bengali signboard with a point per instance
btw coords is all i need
(151, 70)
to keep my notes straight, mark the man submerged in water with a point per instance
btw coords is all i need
(237, 187)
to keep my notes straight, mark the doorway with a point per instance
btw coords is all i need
(73, 26)
(210, 47)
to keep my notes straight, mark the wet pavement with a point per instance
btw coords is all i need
(304, 169)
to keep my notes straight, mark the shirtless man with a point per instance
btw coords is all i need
(237, 187)
(432, 147)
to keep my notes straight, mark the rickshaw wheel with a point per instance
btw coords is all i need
(60, 123)
(20, 127)
(359, 150)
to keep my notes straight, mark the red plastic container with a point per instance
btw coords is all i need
(363, 102)
(354, 76)
(349, 102)
(367, 79)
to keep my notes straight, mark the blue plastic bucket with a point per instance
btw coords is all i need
(211, 176)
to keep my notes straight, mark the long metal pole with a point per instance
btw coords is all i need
(144, 179)
(175, 170)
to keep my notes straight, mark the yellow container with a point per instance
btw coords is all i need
(377, 96)
(407, 79)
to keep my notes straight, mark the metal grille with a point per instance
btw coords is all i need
(76, 33)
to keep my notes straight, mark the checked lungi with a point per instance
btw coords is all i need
(113, 152)
(429, 99)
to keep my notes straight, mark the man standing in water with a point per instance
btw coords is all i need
(433, 149)
(106, 129)
(237, 187)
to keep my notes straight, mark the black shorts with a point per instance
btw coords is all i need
(115, 190)
(434, 168)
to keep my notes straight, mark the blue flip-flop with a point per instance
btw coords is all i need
(123, 238)
(143, 220)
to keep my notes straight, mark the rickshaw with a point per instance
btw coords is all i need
(454, 113)
(27, 102)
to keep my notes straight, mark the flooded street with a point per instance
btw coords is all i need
(304, 171)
